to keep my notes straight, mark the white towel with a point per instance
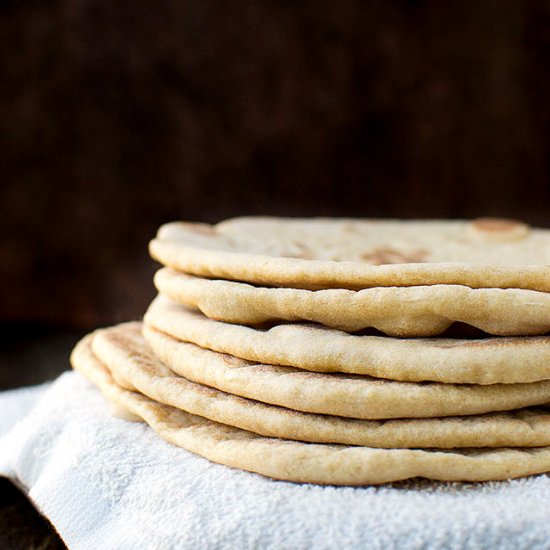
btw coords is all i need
(108, 483)
(15, 404)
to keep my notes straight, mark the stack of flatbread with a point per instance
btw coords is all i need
(342, 351)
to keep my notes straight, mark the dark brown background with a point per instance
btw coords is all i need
(116, 116)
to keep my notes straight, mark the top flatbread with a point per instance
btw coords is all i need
(347, 253)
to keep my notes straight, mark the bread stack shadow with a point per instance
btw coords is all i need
(315, 350)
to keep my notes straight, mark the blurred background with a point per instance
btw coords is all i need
(118, 116)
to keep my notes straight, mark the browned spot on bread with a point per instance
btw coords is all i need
(492, 225)
(497, 230)
(200, 228)
(387, 255)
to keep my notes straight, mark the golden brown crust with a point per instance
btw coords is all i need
(307, 462)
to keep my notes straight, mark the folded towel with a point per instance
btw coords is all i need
(15, 404)
(104, 482)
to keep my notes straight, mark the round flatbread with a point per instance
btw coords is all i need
(396, 311)
(313, 348)
(308, 462)
(134, 367)
(346, 395)
(355, 254)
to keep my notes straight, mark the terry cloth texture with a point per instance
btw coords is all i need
(109, 483)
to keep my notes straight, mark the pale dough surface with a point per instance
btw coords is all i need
(308, 462)
(479, 361)
(346, 395)
(414, 311)
(359, 253)
(134, 367)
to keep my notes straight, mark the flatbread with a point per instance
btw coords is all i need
(355, 254)
(346, 395)
(308, 347)
(396, 311)
(308, 462)
(136, 368)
